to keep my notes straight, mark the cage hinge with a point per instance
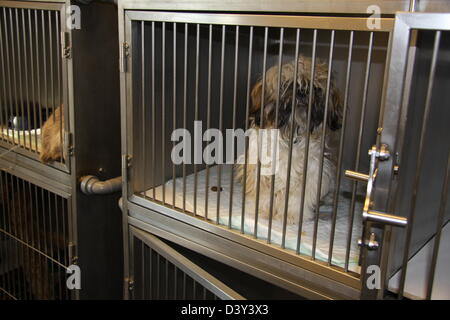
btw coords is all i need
(73, 257)
(68, 137)
(130, 284)
(124, 53)
(66, 49)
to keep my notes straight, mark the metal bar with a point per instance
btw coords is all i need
(59, 76)
(174, 105)
(322, 145)
(153, 113)
(163, 110)
(358, 151)
(33, 93)
(261, 126)
(16, 98)
(158, 277)
(44, 58)
(236, 63)
(197, 61)
(222, 65)
(208, 116)
(341, 149)
(291, 138)
(8, 71)
(305, 160)
(3, 105)
(38, 71)
(277, 21)
(272, 181)
(247, 110)
(418, 170)
(27, 70)
(167, 280)
(175, 282)
(439, 226)
(144, 118)
(143, 269)
(185, 105)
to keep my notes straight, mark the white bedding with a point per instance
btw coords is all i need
(26, 138)
(324, 226)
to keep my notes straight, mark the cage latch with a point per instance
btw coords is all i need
(376, 154)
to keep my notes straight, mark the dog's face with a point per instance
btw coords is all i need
(264, 114)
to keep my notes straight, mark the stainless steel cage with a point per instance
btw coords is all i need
(33, 59)
(178, 67)
(182, 68)
(35, 240)
(45, 63)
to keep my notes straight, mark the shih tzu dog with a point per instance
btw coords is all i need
(294, 116)
(51, 148)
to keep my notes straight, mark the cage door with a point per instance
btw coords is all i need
(409, 171)
(158, 272)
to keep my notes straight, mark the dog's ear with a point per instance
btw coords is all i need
(335, 110)
(255, 96)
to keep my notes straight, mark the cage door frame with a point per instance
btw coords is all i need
(391, 132)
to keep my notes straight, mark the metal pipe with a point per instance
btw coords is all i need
(92, 185)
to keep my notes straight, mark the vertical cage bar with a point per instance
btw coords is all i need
(358, 151)
(38, 69)
(322, 145)
(143, 107)
(308, 136)
(7, 41)
(208, 115)
(197, 75)
(174, 119)
(44, 59)
(185, 104)
(153, 113)
(291, 138)
(247, 110)
(25, 59)
(261, 126)
(59, 82)
(341, 149)
(236, 63)
(3, 98)
(419, 164)
(32, 77)
(274, 157)
(439, 226)
(16, 100)
(163, 110)
(222, 66)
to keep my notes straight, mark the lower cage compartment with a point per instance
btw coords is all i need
(34, 241)
(164, 270)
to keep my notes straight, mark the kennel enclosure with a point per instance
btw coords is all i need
(185, 62)
(47, 223)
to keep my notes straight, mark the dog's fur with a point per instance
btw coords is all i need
(266, 119)
(51, 148)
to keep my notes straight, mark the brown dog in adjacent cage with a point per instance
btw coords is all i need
(52, 139)
(291, 118)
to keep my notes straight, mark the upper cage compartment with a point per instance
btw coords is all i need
(199, 72)
(32, 71)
